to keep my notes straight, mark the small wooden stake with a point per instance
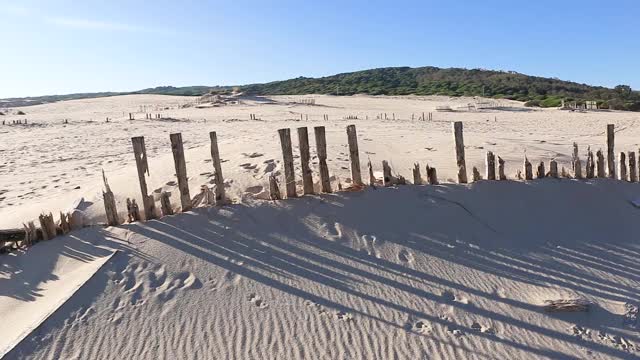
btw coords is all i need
(133, 212)
(287, 156)
(217, 167)
(432, 176)
(307, 179)
(622, 161)
(491, 166)
(528, 169)
(64, 222)
(459, 146)
(274, 190)
(553, 169)
(540, 171)
(48, 226)
(165, 204)
(321, 150)
(476, 174)
(590, 166)
(501, 174)
(633, 174)
(354, 155)
(109, 203)
(417, 178)
(577, 168)
(143, 168)
(611, 157)
(372, 179)
(181, 170)
(387, 178)
(600, 164)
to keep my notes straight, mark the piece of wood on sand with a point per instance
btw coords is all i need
(109, 203)
(142, 165)
(321, 150)
(633, 167)
(218, 180)
(274, 189)
(417, 177)
(305, 156)
(181, 170)
(354, 155)
(490, 164)
(287, 157)
(459, 149)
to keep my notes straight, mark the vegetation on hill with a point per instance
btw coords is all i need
(535, 91)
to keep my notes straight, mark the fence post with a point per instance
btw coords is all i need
(501, 174)
(354, 155)
(600, 164)
(287, 157)
(432, 175)
(528, 169)
(109, 203)
(386, 174)
(181, 170)
(372, 179)
(633, 175)
(540, 171)
(623, 166)
(590, 166)
(274, 190)
(417, 178)
(321, 150)
(553, 169)
(217, 167)
(491, 166)
(459, 145)
(165, 204)
(140, 153)
(611, 157)
(307, 178)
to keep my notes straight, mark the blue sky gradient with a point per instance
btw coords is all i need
(57, 47)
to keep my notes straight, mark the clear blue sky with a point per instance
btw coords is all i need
(55, 47)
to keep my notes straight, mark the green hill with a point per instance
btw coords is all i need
(534, 90)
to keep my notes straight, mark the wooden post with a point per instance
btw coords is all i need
(577, 168)
(133, 213)
(372, 179)
(181, 170)
(274, 190)
(109, 203)
(387, 179)
(633, 175)
(321, 150)
(574, 156)
(622, 161)
(432, 176)
(553, 169)
(287, 156)
(501, 174)
(303, 142)
(476, 174)
(64, 222)
(600, 164)
(491, 166)
(417, 178)
(217, 167)
(528, 169)
(354, 155)
(165, 204)
(459, 145)
(143, 168)
(48, 226)
(590, 166)
(540, 171)
(611, 157)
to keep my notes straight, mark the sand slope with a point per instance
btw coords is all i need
(446, 272)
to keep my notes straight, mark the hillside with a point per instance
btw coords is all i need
(536, 91)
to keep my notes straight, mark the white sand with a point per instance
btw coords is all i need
(44, 163)
(445, 272)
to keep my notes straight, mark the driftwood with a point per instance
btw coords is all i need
(566, 305)
(177, 148)
(611, 156)
(217, 167)
(287, 157)
(417, 177)
(274, 189)
(321, 150)
(459, 147)
(490, 164)
(354, 155)
(305, 156)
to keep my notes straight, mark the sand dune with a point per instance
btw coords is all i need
(438, 272)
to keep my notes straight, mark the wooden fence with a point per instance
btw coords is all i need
(49, 228)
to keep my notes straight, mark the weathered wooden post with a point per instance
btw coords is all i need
(611, 157)
(528, 169)
(417, 178)
(553, 169)
(387, 178)
(501, 174)
(181, 170)
(540, 171)
(354, 155)
(48, 226)
(590, 166)
(274, 189)
(476, 174)
(623, 166)
(287, 157)
(577, 168)
(459, 145)
(133, 213)
(140, 153)
(372, 179)
(574, 156)
(600, 164)
(633, 175)
(307, 178)
(432, 175)
(165, 204)
(109, 203)
(217, 167)
(321, 150)
(491, 166)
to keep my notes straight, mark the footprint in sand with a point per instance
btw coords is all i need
(341, 315)
(257, 301)
(405, 256)
(483, 329)
(422, 327)
(449, 297)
